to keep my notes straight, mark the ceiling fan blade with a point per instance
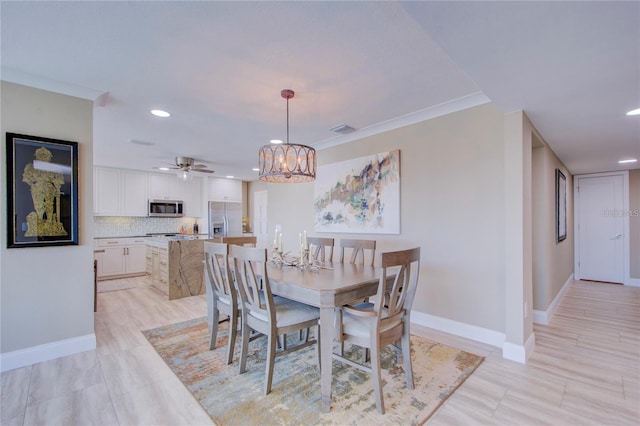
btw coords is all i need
(199, 166)
(203, 171)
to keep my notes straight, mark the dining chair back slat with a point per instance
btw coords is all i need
(359, 249)
(322, 248)
(241, 241)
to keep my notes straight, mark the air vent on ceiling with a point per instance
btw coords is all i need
(343, 129)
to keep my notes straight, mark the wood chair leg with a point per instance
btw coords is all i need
(214, 329)
(271, 356)
(244, 350)
(377, 377)
(406, 358)
(233, 331)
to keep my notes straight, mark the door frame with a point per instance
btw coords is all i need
(626, 246)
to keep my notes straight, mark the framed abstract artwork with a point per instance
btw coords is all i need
(561, 206)
(42, 191)
(361, 195)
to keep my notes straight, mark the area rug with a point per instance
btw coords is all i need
(237, 399)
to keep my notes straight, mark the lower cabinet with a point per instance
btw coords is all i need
(158, 265)
(120, 257)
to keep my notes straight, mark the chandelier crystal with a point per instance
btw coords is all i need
(288, 162)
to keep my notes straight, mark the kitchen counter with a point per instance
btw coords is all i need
(177, 267)
(167, 235)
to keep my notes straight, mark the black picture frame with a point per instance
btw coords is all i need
(42, 191)
(561, 206)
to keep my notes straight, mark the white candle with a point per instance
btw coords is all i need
(276, 236)
(280, 245)
(305, 238)
(275, 244)
(300, 238)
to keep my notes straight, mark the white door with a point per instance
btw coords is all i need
(600, 228)
(260, 219)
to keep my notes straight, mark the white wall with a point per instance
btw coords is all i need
(47, 292)
(452, 205)
(552, 261)
(634, 222)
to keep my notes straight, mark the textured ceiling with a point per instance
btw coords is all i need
(573, 67)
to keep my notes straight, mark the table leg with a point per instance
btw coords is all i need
(326, 347)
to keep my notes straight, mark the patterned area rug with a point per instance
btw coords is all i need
(232, 398)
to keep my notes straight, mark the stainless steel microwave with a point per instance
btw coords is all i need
(166, 208)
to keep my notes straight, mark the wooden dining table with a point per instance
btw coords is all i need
(325, 288)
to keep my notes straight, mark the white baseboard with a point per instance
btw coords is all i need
(543, 317)
(472, 332)
(634, 282)
(519, 353)
(46, 352)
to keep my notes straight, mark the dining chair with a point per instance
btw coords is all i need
(264, 313)
(359, 249)
(386, 321)
(241, 241)
(322, 248)
(224, 295)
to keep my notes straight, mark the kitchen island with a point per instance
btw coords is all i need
(176, 265)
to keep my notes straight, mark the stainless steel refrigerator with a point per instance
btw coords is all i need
(225, 219)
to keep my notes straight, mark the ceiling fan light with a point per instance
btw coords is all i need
(184, 175)
(287, 163)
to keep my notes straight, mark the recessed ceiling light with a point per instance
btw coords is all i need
(631, 160)
(255, 169)
(229, 177)
(275, 141)
(139, 142)
(634, 112)
(160, 113)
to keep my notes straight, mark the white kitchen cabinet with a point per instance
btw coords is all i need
(119, 192)
(192, 197)
(134, 193)
(165, 187)
(119, 257)
(158, 262)
(106, 192)
(135, 259)
(225, 189)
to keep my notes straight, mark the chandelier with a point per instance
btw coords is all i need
(288, 162)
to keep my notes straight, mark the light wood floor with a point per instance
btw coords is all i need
(585, 369)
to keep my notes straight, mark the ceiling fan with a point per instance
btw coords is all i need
(185, 165)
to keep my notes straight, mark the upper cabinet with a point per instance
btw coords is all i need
(221, 189)
(107, 194)
(165, 187)
(119, 192)
(193, 197)
(134, 193)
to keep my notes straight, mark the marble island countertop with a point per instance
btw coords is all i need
(167, 235)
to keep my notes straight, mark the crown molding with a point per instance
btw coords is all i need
(455, 105)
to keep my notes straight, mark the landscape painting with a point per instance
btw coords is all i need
(359, 196)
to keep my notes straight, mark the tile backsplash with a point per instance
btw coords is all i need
(121, 226)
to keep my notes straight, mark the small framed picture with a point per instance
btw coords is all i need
(561, 206)
(42, 191)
